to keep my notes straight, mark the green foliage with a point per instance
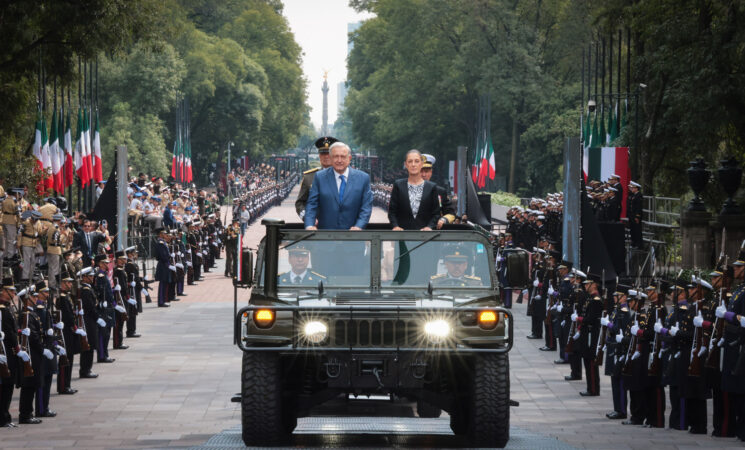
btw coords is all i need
(505, 199)
(143, 136)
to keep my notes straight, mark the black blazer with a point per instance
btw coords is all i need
(399, 208)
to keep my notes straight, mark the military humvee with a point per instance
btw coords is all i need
(408, 314)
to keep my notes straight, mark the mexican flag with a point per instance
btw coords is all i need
(54, 153)
(69, 171)
(97, 167)
(45, 156)
(599, 163)
(81, 168)
(175, 167)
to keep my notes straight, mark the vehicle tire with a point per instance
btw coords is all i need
(426, 410)
(261, 400)
(489, 418)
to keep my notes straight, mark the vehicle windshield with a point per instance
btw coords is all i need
(417, 263)
(336, 263)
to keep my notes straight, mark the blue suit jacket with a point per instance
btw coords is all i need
(323, 201)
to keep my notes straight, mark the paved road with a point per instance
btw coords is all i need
(172, 388)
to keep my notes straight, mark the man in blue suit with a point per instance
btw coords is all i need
(340, 198)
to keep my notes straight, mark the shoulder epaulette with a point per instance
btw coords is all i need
(434, 277)
(318, 275)
(2, 306)
(471, 277)
(312, 170)
(597, 298)
(625, 309)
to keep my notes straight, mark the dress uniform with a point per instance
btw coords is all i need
(49, 352)
(106, 312)
(634, 209)
(231, 246)
(30, 230)
(655, 390)
(87, 306)
(30, 385)
(322, 144)
(134, 282)
(66, 306)
(121, 296)
(162, 270)
(589, 330)
(56, 240)
(299, 256)
(447, 209)
(10, 350)
(616, 323)
(636, 355)
(10, 220)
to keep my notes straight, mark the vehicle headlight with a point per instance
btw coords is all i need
(437, 330)
(315, 331)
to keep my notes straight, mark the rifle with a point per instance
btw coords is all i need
(119, 305)
(712, 359)
(633, 341)
(694, 368)
(654, 363)
(60, 337)
(572, 331)
(84, 345)
(4, 369)
(28, 370)
(600, 349)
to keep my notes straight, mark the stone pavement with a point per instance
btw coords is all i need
(172, 387)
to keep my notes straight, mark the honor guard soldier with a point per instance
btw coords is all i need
(11, 362)
(162, 269)
(635, 348)
(56, 240)
(447, 210)
(615, 324)
(28, 239)
(322, 144)
(231, 246)
(66, 306)
(121, 290)
(589, 329)
(32, 345)
(50, 350)
(91, 322)
(134, 281)
(105, 308)
(299, 257)
(456, 260)
(733, 354)
(655, 391)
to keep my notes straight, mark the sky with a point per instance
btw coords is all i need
(320, 28)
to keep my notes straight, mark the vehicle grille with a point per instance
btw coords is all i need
(376, 333)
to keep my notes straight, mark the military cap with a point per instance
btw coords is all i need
(614, 176)
(323, 143)
(679, 283)
(655, 284)
(592, 278)
(41, 285)
(565, 265)
(85, 271)
(66, 276)
(634, 184)
(101, 258)
(131, 249)
(300, 249)
(71, 250)
(429, 161)
(8, 283)
(698, 281)
(456, 252)
(622, 289)
(159, 230)
(120, 254)
(58, 216)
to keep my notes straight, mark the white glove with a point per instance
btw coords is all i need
(132, 284)
(576, 336)
(50, 332)
(60, 325)
(3, 360)
(551, 290)
(61, 351)
(574, 317)
(24, 356)
(101, 323)
(117, 288)
(105, 304)
(81, 312)
(563, 322)
(189, 264)
(560, 307)
(658, 326)
(619, 338)
(132, 301)
(48, 353)
(179, 265)
(553, 308)
(26, 332)
(172, 268)
(721, 309)
(721, 342)
(742, 321)
(698, 321)
(81, 332)
(120, 308)
(173, 255)
(636, 355)
(604, 321)
(2, 336)
(703, 351)
(535, 282)
(634, 329)
(674, 331)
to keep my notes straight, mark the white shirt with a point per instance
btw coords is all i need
(297, 276)
(338, 177)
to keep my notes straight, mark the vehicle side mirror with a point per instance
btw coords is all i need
(247, 269)
(518, 273)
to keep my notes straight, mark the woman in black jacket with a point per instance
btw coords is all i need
(414, 203)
